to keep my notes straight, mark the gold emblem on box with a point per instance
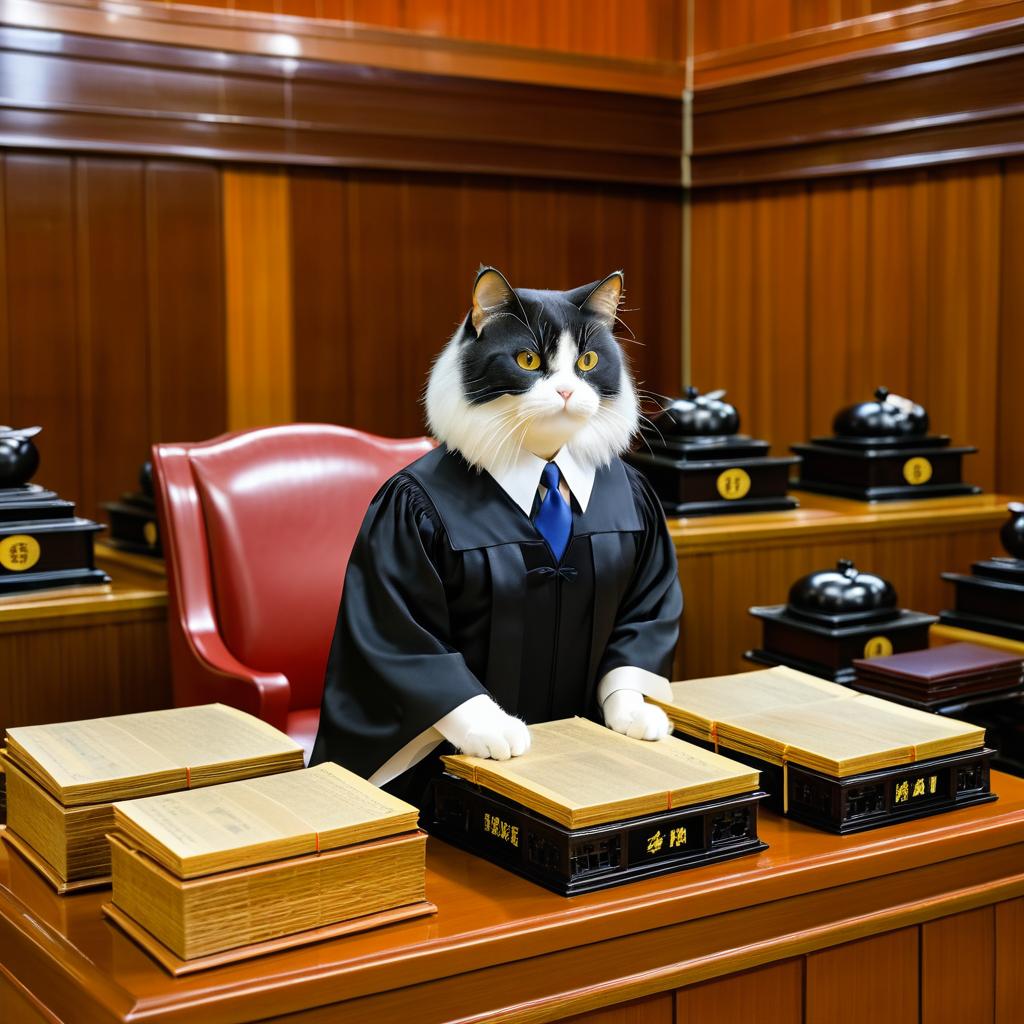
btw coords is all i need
(917, 470)
(19, 552)
(733, 483)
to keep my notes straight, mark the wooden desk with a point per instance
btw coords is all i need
(729, 563)
(94, 651)
(922, 922)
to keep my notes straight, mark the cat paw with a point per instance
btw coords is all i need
(626, 711)
(480, 728)
(499, 740)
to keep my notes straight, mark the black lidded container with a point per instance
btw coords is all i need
(991, 599)
(699, 464)
(833, 616)
(881, 451)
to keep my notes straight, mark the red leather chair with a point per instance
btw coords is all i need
(257, 527)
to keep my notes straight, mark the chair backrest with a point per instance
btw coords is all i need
(278, 512)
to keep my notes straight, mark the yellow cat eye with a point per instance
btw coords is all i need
(528, 360)
(587, 361)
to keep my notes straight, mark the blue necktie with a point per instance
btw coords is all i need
(554, 517)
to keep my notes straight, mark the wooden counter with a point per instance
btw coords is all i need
(729, 563)
(917, 922)
(88, 651)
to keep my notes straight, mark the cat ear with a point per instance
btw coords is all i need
(601, 297)
(491, 292)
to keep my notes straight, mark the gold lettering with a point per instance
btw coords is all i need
(933, 782)
(655, 843)
(919, 787)
(677, 837)
(514, 839)
(903, 792)
(487, 822)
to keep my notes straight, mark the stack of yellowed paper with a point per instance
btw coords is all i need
(215, 869)
(62, 779)
(578, 774)
(780, 715)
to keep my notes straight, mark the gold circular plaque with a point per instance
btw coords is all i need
(149, 532)
(733, 484)
(917, 471)
(878, 647)
(19, 552)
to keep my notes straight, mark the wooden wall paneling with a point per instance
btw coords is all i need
(653, 1010)
(321, 298)
(185, 296)
(40, 235)
(376, 320)
(258, 297)
(962, 357)
(648, 30)
(430, 289)
(112, 326)
(1009, 978)
(749, 305)
(837, 299)
(243, 105)
(873, 980)
(768, 995)
(6, 397)
(1010, 447)
(957, 957)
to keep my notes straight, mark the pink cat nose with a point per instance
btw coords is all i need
(566, 394)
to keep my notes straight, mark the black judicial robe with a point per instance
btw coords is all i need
(450, 592)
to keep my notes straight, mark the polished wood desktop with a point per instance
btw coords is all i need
(917, 922)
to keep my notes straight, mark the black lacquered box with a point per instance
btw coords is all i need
(991, 599)
(833, 617)
(574, 861)
(874, 799)
(133, 518)
(699, 465)
(881, 451)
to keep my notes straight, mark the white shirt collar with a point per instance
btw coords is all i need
(521, 480)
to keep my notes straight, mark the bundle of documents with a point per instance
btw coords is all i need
(580, 774)
(211, 870)
(780, 715)
(62, 779)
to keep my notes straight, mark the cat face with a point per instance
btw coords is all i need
(534, 370)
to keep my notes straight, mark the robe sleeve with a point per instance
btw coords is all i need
(647, 624)
(392, 672)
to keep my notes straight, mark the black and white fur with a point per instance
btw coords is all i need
(481, 403)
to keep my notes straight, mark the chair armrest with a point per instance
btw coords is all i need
(267, 695)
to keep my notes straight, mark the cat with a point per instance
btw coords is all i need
(521, 571)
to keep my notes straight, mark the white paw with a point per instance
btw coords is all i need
(625, 711)
(499, 739)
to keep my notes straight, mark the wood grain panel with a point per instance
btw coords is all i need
(750, 259)
(258, 301)
(87, 93)
(40, 257)
(875, 979)
(1009, 979)
(729, 563)
(909, 282)
(946, 99)
(654, 1010)
(957, 958)
(112, 326)
(383, 266)
(646, 30)
(771, 995)
(321, 298)
(187, 358)
(1010, 454)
